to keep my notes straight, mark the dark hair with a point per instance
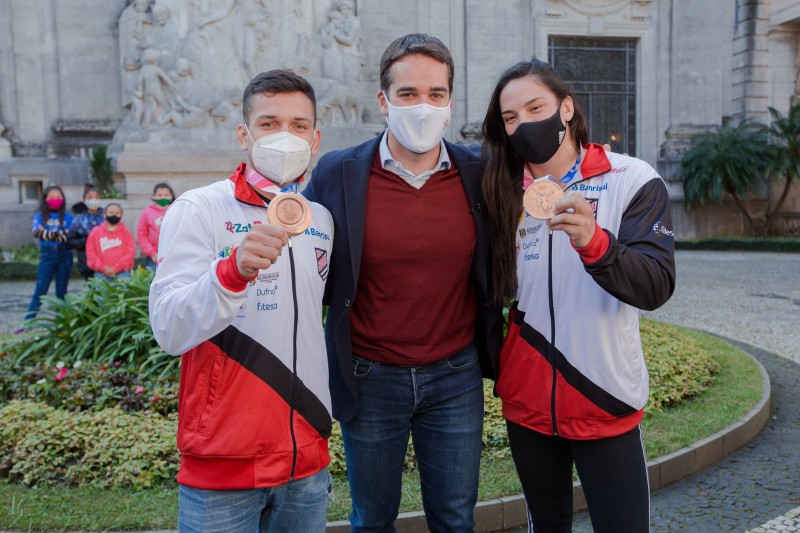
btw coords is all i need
(89, 188)
(162, 186)
(44, 209)
(415, 43)
(277, 81)
(502, 180)
(115, 204)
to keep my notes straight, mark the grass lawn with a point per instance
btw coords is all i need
(736, 389)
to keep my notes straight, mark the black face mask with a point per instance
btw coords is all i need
(538, 142)
(113, 219)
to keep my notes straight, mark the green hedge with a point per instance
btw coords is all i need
(78, 439)
(765, 244)
(43, 445)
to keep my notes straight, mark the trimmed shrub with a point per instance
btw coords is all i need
(87, 386)
(678, 368)
(43, 445)
(105, 433)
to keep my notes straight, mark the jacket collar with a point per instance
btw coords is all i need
(595, 161)
(244, 192)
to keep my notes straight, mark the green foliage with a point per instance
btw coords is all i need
(679, 368)
(735, 161)
(45, 446)
(785, 136)
(17, 271)
(102, 172)
(86, 385)
(27, 253)
(107, 322)
(759, 244)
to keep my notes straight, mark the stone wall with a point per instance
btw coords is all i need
(71, 71)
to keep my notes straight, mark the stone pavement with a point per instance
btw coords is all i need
(750, 298)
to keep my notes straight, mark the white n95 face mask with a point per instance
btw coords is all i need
(281, 156)
(418, 127)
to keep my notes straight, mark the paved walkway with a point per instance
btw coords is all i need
(750, 298)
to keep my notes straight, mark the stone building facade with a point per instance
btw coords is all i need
(160, 80)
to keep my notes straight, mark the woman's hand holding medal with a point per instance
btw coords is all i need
(574, 216)
(544, 199)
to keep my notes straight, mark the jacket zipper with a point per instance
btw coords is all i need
(293, 385)
(553, 357)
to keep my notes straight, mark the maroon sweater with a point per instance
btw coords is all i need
(415, 302)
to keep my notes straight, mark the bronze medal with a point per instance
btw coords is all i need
(540, 197)
(290, 211)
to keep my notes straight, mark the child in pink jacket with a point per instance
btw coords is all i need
(109, 248)
(150, 222)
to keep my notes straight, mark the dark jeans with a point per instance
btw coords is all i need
(54, 261)
(613, 474)
(441, 406)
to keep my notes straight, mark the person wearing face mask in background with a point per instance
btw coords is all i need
(88, 215)
(110, 250)
(410, 327)
(150, 223)
(241, 300)
(572, 376)
(50, 225)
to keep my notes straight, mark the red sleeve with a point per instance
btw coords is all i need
(93, 258)
(142, 234)
(596, 248)
(229, 276)
(128, 254)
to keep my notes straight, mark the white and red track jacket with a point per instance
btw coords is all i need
(254, 407)
(572, 362)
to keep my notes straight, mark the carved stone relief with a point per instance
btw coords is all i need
(184, 63)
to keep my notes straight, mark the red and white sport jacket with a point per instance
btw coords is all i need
(572, 362)
(255, 408)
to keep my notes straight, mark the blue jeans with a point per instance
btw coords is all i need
(54, 261)
(120, 275)
(441, 405)
(149, 263)
(299, 505)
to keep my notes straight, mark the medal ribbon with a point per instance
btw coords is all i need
(574, 170)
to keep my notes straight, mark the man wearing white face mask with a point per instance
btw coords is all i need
(410, 327)
(241, 300)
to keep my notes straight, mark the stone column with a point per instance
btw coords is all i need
(751, 60)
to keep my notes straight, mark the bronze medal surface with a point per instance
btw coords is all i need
(290, 211)
(540, 197)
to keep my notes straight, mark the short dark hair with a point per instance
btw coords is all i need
(277, 81)
(415, 43)
(164, 186)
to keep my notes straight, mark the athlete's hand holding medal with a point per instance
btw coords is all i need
(544, 199)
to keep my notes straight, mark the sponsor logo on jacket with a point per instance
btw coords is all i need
(314, 232)
(238, 227)
(585, 187)
(660, 229)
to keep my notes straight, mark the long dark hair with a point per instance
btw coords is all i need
(45, 210)
(502, 180)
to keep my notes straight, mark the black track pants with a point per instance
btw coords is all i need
(613, 473)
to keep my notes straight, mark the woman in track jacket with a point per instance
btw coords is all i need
(572, 376)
